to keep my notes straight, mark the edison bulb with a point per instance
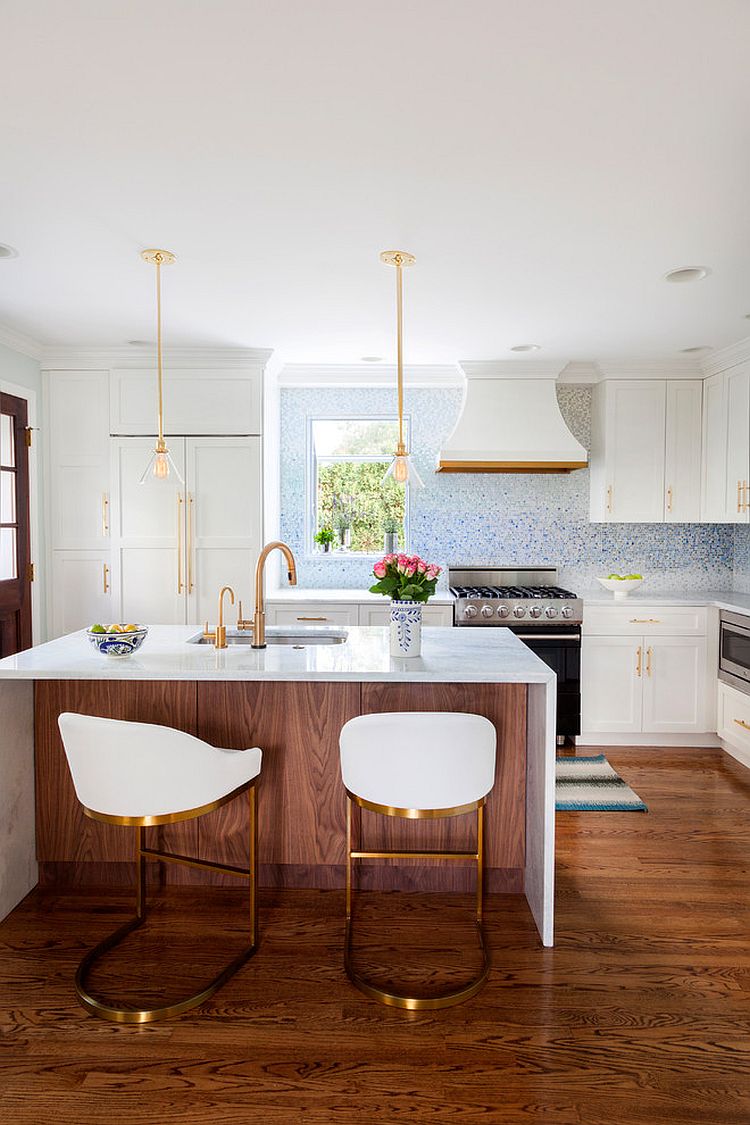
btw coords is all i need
(161, 466)
(401, 470)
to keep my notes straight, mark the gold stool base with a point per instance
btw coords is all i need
(418, 1003)
(145, 1015)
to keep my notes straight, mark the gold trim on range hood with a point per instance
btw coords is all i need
(510, 466)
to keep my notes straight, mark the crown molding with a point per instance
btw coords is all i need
(513, 368)
(667, 367)
(726, 357)
(98, 358)
(18, 342)
(367, 375)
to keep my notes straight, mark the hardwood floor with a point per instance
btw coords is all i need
(641, 1013)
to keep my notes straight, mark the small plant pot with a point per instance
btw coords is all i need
(406, 628)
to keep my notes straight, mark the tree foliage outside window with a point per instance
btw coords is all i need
(349, 458)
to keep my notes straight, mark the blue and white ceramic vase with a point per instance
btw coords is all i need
(406, 628)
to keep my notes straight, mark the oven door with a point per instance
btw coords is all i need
(734, 650)
(560, 648)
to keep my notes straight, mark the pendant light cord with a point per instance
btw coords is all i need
(158, 351)
(400, 351)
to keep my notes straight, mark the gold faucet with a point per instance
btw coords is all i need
(259, 617)
(220, 636)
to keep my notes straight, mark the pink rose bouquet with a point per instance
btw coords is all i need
(405, 578)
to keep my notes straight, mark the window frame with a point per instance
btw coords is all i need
(311, 482)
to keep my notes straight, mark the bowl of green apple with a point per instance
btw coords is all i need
(621, 584)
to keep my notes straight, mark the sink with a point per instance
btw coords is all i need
(297, 638)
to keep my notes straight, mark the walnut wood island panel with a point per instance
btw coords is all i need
(293, 704)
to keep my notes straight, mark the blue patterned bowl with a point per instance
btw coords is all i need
(118, 644)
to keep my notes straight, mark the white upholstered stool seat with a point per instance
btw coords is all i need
(418, 765)
(141, 775)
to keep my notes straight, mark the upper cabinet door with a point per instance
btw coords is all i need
(634, 433)
(737, 482)
(79, 460)
(195, 402)
(223, 521)
(682, 462)
(714, 450)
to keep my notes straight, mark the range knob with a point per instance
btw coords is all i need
(535, 611)
(470, 611)
(567, 611)
(519, 610)
(503, 611)
(551, 611)
(487, 611)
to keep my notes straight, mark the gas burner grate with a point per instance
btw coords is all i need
(520, 592)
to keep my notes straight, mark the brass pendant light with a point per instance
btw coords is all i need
(160, 465)
(401, 468)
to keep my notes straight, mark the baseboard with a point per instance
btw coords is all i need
(597, 738)
(741, 756)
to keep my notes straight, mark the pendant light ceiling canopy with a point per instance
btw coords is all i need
(160, 465)
(401, 468)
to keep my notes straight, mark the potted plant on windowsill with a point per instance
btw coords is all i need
(408, 581)
(324, 538)
(391, 528)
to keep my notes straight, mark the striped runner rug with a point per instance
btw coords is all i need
(591, 785)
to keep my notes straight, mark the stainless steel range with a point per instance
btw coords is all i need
(541, 614)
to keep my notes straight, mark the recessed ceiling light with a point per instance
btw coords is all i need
(7, 251)
(697, 348)
(372, 359)
(747, 316)
(526, 348)
(687, 273)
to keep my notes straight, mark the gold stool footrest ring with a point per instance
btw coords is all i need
(145, 1015)
(419, 1003)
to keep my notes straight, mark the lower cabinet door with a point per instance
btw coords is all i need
(611, 684)
(381, 615)
(320, 614)
(674, 684)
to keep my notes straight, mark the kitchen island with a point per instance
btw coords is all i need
(291, 700)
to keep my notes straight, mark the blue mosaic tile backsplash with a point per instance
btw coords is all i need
(508, 519)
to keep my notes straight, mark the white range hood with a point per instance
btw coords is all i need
(510, 422)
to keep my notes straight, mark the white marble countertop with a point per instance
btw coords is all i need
(722, 599)
(448, 656)
(320, 594)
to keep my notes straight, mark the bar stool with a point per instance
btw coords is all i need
(418, 765)
(139, 775)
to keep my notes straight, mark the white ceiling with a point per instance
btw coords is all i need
(547, 162)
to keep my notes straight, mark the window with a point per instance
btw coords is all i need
(348, 459)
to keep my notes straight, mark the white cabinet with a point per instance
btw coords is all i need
(175, 545)
(645, 460)
(611, 698)
(81, 591)
(734, 719)
(644, 671)
(197, 401)
(726, 446)
(674, 684)
(432, 615)
(682, 462)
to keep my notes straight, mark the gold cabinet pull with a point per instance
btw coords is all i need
(105, 577)
(745, 503)
(649, 653)
(669, 498)
(743, 724)
(639, 657)
(105, 514)
(645, 621)
(739, 496)
(609, 497)
(190, 543)
(180, 583)
(312, 618)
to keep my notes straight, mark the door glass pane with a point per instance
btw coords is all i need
(7, 497)
(8, 568)
(7, 444)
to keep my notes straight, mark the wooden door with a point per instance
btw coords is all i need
(15, 550)
(611, 684)
(635, 432)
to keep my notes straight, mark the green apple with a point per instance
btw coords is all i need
(97, 629)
